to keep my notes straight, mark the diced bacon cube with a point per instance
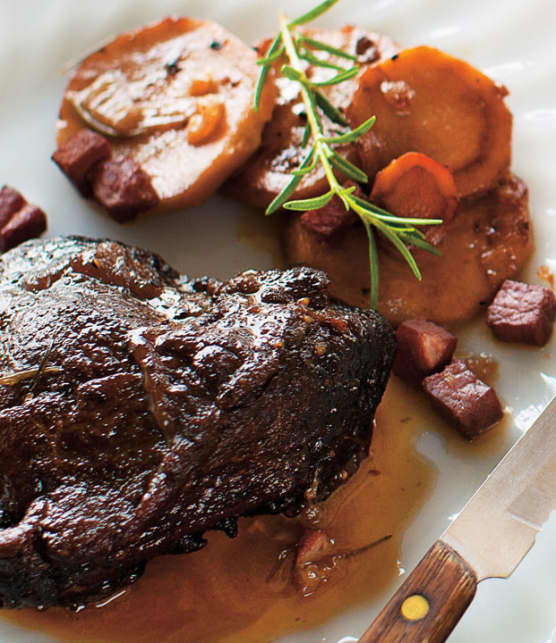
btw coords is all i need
(332, 217)
(78, 155)
(123, 188)
(423, 348)
(19, 221)
(522, 313)
(10, 202)
(313, 545)
(463, 399)
(25, 224)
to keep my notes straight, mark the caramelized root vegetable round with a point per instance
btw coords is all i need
(415, 185)
(177, 98)
(426, 101)
(269, 170)
(488, 240)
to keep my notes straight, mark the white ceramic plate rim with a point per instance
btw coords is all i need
(509, 39)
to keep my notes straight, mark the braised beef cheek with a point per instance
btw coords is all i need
(139, 408)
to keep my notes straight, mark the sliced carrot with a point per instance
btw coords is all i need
(415, 185)
(426, 101)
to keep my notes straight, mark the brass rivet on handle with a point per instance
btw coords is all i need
(415, 607)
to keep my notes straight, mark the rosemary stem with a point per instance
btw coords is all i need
(295, 62)
(316, 131)
(402, 234)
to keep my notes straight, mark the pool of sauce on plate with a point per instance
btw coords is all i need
(244, 589)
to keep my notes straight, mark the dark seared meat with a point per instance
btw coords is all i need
(139, 409)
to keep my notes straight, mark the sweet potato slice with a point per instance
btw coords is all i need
(415, 185)
(177, 98)
(426, 101)
(488, 240)
(269, 171)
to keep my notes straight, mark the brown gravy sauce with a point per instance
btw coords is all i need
(238, 590)
(483, 365)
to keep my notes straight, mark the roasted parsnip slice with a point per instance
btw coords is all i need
(488, 240)
(176, 97)
(426, 101)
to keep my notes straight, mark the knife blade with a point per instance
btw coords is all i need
(488, 539)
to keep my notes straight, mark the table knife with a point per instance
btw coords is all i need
(488, 539)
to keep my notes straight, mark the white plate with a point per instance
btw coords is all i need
(511, 40)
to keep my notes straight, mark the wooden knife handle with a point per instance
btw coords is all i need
(429, 604)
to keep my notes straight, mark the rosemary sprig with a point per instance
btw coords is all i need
(295, 48)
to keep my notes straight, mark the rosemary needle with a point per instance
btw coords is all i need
(293, 48)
